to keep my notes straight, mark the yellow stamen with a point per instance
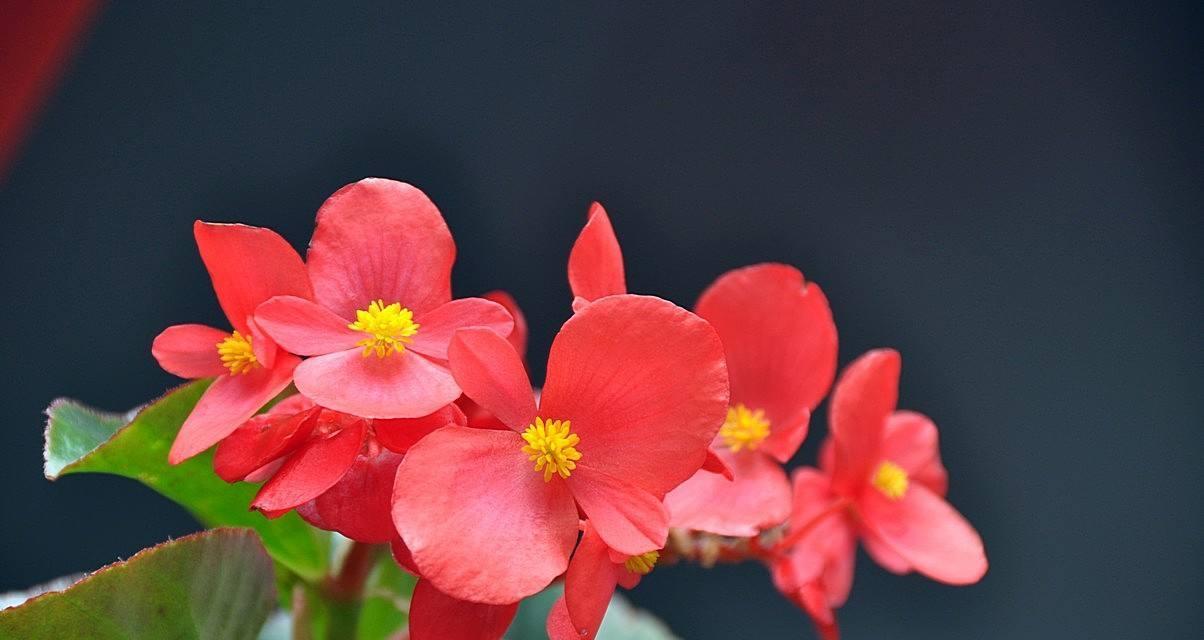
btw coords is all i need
(389, 327)
(891, 480)
(744, 428)
(236, 353)
(550, 446)
(643, 563)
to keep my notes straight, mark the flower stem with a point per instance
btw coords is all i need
(798, 534)
(344, 592)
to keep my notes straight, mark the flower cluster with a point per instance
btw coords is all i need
(659, 434)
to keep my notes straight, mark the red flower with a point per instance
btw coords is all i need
(882, 482)
(780, 342)
(247, 265)
(636, 388)
(593, 574)
(380, 262)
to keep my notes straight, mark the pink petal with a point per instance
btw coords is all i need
(404, 385)
(518, 337)
(261, 440)
(779, 337)
(249, 265)
(883, 554)
(716, 464)
(644, 385)
(560, 626)
(305, 328)
(314, 468)
(399, 434)
(436, 327)
(862, 400)
(190, 351)
(786, 436)
(589, 583)
(358, 505)
(295, 403)
(380, 240)
(491, 374)
(757, 497)
(481, 524)
(629, 519)
(910, 441)
(928, 533)
(596, 262)
(230, 401)
(435, 615)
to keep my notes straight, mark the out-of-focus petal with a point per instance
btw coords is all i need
(779, 337)
(863, 399)
(596, 261)
(384, 240)
(786, 436)
(927, 532)
(314, 468)
(230, 401)
(491, 373)
(358, 505)
(717, 465)
(757, 497)
(434, 615)
(883, 554)
(629, 519)
(910, 441)
(481, 524)
(399, 434)
(248, 265)
(261, 440)
(401, 555)
(518, 337)
(589, 584)
(437, 326)
(190, 351)
(404, 385)
(643, 383)
(305, 328)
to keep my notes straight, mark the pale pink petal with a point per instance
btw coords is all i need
(404, 385)
(927, 532)
(883, 554)
(190, 351)
(437, 326)
(305, 328)
(757, 497)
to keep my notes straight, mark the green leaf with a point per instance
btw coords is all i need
(622, 622)
(215, 584)
(135, 445)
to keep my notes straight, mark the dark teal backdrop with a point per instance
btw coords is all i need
(1008, 193)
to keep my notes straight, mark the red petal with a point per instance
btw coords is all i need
(779, 337)
(190, 351)
(261, 440)
(644, 385)
(230, 401)
(560, 626)
(380, 240)
(435, 615)
(437, 326)
(931, 535)
(305, 328)
(316, 467)
(490, 372)
(863, 399)
(715, 464)
(883, 554)
(589, 584)
(404, 385)
(401, 554)
(910, 441)
(757, 497)
(518, 337)
(481, 524)
(630, 520)
(248, 265)
(596, 262)
(786, 436)
(399, 434)
(358, 505)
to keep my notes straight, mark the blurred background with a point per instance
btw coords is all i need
(1008, 193)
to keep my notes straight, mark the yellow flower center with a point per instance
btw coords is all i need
(389, 327)
(643, 563)
(891, 480)
(550, 445)
(236, 353)
(744, 428)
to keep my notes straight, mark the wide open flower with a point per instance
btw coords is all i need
(636, 389)
(780, 342)
(881, 481)
(247, 265)
(589, 583)
(380, 262)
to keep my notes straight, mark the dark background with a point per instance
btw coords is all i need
(1009, 194)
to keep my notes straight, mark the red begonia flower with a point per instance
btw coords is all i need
(596, 261)
(636, 389)
(382, 316)
(594, 572)
(882, 482)
(780, 343)
(434, 615)
(247, 265)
